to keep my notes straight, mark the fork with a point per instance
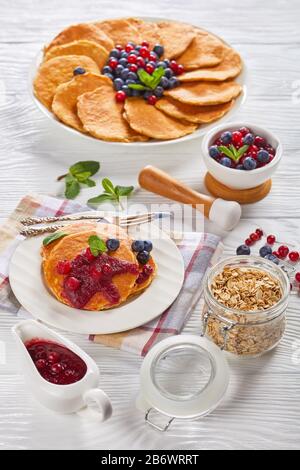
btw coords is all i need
(122, 221)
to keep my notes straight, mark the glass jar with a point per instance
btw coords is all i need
(245, 333)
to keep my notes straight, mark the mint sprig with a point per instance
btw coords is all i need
(111, 193)
(147, 80)
(232, 152)
(97, 245)
(54, 236)
(79, 173)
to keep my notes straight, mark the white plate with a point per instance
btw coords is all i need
(27, 284)
(242, 79)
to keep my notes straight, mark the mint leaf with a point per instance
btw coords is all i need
(137, 86)
(108, 186)
(54, 236)
(90, 183)
(123, 190)
(226, 151)
(157, 75)
(101, 198)
(97, 245)
(242, 150)
(82, 177)
(89, 166)
(145, 78)
(72, 187)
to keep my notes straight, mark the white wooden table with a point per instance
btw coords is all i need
(262, 407)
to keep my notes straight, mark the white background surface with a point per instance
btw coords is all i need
(262, 407)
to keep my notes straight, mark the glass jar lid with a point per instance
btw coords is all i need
(184, 376)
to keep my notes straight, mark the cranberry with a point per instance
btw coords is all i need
(72, 283)
(89, 255)
(259, 232)
(297, 277)
(140, 62)
(56, 368)
(144, 52)
(107, 270)
(129, 48)
(237, 138)
(153, 56)
(119, 47)
(113, 62)
(252, 150)
(63, 267)
(152, 99)
(244, 131)
(145, 44)
(40, 364)
(254, 237)
(294, 256)
(271, 239)
(95, 272)
(174, 66)
(275, 253)
(40, 354)
(149, 68)
(133, 68)
(270, 149)
(120, 96)
(148, 270)
(132, 59)
(180, 69)
(283, 251)
(53, 357)
(259, 141)
(248, 242)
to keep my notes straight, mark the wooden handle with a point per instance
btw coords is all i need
(157, 181)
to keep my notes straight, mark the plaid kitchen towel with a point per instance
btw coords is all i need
(199, 251)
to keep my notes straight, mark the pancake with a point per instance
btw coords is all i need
(81, 47)
(138, 288)
(64, 104)
(205, 93)
(147, 31)
(81, 31)
(230, 67)
(73, 245)
(205, 50)
(195, 114)
(148, 120)
(102, 116)
(175, 37)
(56, 71)
(121, 31)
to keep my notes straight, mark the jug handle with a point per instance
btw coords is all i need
(97, 405)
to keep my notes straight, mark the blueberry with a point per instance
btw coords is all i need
(265, 250)
(114, 53)
(132, 76)
(152, 63)
(167, 62)
(148, 245)
(109, 75)
(273, 258)
(168, 72)
(243, 250)
(164, 82)
(126, 90)
(173, 82)
(138, 47)
(143, 257)
(118, 70)
(158, 49)
(226, 161)
(107, 69)
(124, 73)
(118, 83)
(130, 82)
(249, 163)
(123, 62)
(213, 151)
(248, 139)
(136, 92)
(263, 156)
(226, 137)
(159, 91)
(161, 64)
(134, 52)
(112, 244)
(137, 245)
(79, 71)
(124, 55)
(147, 93)
(239, 167)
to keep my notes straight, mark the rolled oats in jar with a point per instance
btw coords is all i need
(245, 305)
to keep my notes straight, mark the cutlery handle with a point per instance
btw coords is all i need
(33, 232)
(61, 218)
(226, 214)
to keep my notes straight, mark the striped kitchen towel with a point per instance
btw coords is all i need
(199, 251)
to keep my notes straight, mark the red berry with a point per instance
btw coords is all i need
(113, 62)
(294, 256)
(107, 270)
(252, 150)
(254, 236)
(259, 232)
(129, 47)
(120, 96)
(140, 62)
(145, 44)
(237, 138)
(72, 283)
(144, 52)
(152, 99)
(119, 47)
(63, 267)
(283, 251)
(259, 141)
(271, 239)
(180, 69)
(40, 364)
(95, 273)
(53, 357)
(56, 368)
(148, 270)
(244, 131)
(174, 66)
(132, 59)
(149, 68)
(133, 68)
(153, 56)
(297, 277)
(270, 149)
(88, 254)
(248, 242)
